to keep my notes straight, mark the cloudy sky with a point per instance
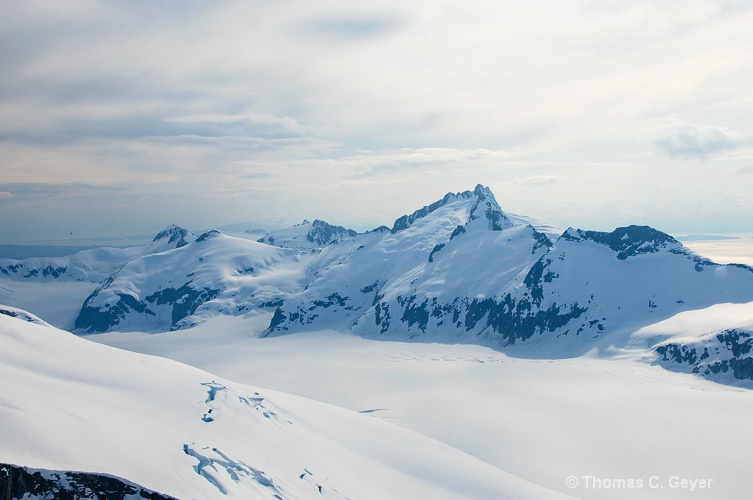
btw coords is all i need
(120, 117)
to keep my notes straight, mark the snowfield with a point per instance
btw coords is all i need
(594, 417)
(70, 404)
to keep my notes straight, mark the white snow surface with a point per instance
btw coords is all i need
(70, 404)
(603, 415)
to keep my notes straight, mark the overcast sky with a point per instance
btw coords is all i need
(121, 117)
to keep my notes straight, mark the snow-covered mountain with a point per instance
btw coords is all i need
(412, 279)
(722, 355)
(457, 270)
(79, 417)
(308, 235)
(213, 274)
(461, 270)
(92, 266)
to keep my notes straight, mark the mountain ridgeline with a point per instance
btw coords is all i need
(460, 270)
(457, 270)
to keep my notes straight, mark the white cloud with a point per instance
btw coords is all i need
(285, 123)
(537, 180)
(695, 140)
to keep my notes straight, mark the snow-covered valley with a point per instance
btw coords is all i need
(461, 353)
(70, 404)
(607, 417)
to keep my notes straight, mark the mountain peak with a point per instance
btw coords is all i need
(322, 233)
(481, 190)
(174, 234)
(484, 207)
(308, 235)
(212, 233)
(171, 237)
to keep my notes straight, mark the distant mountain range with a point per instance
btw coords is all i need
(457, 270)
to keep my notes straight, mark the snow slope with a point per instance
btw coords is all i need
(214, 274)
(70, 404)
(715, 343)
(608, 415)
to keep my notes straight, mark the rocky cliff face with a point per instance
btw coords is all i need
(18, 483)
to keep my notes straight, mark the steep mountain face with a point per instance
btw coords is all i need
(417, 277)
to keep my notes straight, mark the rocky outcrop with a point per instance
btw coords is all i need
(18, 483)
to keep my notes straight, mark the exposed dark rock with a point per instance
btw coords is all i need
(538, 275)
(278, 318)
(22, 483)
(272, 303)
(626, 241)
(332, 299)
(97, 319)
(457, 232)
(175, 235)
(726, 351)
(184, 300)
(436, 249)
(486, 204)
(33, 272)
(542, 240)
(517, 320)
(415, 313)
(209, 234)
(736, 341)
(382, 316)
(322, 234)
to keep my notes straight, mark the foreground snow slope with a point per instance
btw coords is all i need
(70, 404)
(541, 419)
